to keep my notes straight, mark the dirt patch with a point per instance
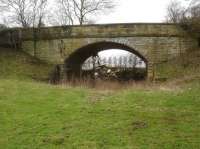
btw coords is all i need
(95, 96)
(170, 120)
(139, 125)
(56, 140)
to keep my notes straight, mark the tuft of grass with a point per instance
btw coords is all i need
(36, 115)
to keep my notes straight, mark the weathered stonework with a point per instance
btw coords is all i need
(156, 43)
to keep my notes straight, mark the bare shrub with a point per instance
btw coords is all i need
(187, 17)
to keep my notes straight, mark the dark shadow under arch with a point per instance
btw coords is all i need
(74, 62)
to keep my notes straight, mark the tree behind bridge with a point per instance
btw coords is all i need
(81, 11)
(188, 17)
(25, 13)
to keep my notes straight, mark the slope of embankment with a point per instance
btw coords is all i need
(15, 64)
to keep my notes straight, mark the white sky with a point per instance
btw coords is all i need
(113, 52)
(129, 11)
(137, 11)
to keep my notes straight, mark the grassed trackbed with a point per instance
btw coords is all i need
(35, 115)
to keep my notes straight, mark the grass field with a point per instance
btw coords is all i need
(35, 115)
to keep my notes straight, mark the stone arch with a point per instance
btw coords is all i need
(74, 61)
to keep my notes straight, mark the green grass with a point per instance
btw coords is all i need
(34, 115)
(19, 65)
(41, 116)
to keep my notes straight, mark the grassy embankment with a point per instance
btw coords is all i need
(19, 65)
(185, 65)
(38, 115)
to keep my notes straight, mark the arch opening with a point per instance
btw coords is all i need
(107, 60)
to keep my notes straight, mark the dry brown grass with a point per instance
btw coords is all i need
(113, 86)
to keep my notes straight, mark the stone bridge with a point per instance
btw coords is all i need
(72, 45)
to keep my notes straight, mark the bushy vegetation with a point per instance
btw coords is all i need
(2, 27)
(188, 17)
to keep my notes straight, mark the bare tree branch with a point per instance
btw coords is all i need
(24, 12)
(188, 17)
(80, 11)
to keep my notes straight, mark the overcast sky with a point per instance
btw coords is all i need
(130, 11)
(137, 11)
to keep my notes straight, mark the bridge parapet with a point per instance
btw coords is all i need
(102, 31)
